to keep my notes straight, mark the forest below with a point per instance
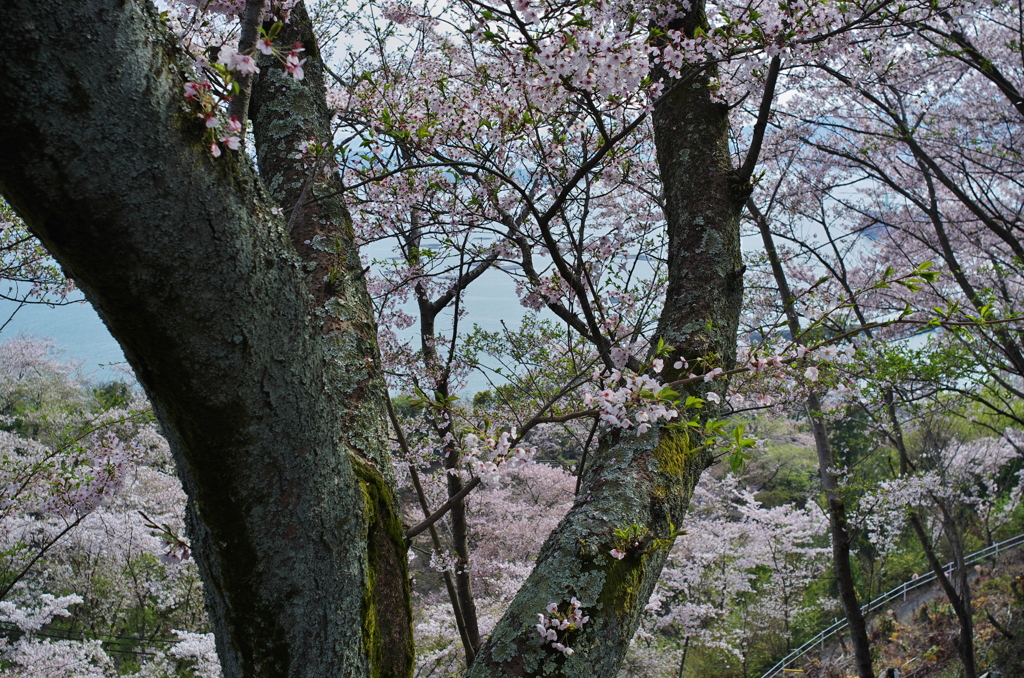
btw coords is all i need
(99, 581)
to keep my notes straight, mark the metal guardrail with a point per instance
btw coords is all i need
(884, 599)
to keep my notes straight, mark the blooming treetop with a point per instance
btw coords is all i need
(714, 567)
(960, 473)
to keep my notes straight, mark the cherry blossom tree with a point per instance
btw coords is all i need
(90, 505)
(714, 592)
(524, 184)
(894, 169)
(63, 457)
(900, 381)
(263, 369)
(27, 272)
(954, 488)
(923, 165)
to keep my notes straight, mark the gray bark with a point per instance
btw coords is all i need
(200, 283)
(642, 480)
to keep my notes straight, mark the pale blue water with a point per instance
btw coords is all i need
(78, 330)
(75, 328)
(490, 301)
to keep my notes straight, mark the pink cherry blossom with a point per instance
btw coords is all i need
(294, 66)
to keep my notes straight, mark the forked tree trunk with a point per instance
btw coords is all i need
(642, 480)
(264, 379)
(257, 348)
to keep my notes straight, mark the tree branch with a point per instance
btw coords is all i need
(252, 17)
(744, 173)
(453, 596)
(444, 508)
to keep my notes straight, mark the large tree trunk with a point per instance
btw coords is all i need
(642, 480)
(264, 382)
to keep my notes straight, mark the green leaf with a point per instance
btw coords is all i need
(667, 394)
(737, 460)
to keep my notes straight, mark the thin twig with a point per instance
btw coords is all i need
(453, 596)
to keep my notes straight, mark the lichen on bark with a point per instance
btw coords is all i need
(387, 609)
(258, 350)
(644, 482)
(634, 480)
(201, 284)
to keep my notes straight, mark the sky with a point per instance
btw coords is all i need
(78, 330)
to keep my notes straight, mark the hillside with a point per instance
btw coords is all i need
(918, 637)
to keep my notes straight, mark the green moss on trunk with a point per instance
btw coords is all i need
(387, 610)
(675, 454)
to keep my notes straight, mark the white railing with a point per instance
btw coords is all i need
(884, 599)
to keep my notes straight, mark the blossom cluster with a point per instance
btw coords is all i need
(611, 62)
(733, 575)
(71, 483)
(31, 620)
(632, 395)
(767, 378)
(91, 476)
(219, 83)
(960, 473)
(638, 401)
(176, 548)
(824, 354)
(490, 458)
(555, 628)
(219, 133)
(444, 561)
(234, 8)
